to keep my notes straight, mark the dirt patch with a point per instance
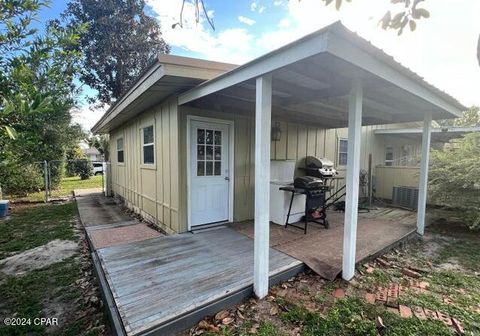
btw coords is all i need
(38, 257)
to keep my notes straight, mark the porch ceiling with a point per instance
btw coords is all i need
(311, 80)
(443, 134)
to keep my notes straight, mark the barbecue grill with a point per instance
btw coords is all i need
(319, 167)
(314, 190)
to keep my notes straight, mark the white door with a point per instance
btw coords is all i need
(209, 172)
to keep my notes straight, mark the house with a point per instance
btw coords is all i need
(93, 154)
(191, 140)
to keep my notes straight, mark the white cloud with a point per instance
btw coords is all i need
(442, 49)
(277, 3)
(246, 20)
(284, 23)
(261, 9)
(87, 115)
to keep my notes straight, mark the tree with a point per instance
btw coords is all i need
(409, 14)
(119, 44)
(455, 177)
(101, 143)
(36, 89)
(470, 118)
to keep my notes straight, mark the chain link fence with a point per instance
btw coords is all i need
(47, 180)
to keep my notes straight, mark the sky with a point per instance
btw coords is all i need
(442, 49)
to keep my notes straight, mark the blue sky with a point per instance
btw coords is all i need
(442, 49)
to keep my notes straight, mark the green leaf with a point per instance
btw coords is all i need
(11, 132)
(412, 24)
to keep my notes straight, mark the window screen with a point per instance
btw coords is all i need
(389, 156)
(148, 145)
(342, 152)
(120, 153)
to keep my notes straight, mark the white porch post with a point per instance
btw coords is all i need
(422, 187)
(263, 112)
(352, 182)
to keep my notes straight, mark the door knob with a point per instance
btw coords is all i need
(227, 178)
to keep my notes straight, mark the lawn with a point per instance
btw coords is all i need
(67, 185)
(442, 297)
(62, 289)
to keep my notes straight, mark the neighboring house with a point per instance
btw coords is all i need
(189, 137)
(93, 154)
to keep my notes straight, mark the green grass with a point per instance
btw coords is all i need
(24, 296)
(36, 226)
(466, 252)
(352, 316)
(67, 185)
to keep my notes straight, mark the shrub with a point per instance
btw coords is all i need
(455, 177)
(84, 169)
(21, 179)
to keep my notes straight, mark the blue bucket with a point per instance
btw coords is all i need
(3, 208)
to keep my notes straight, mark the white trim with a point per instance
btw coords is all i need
(263, 122)
(310, 45)
(446, 130)
(423, 180)
(149, 165)
(339, 152)
(352, 179)
(231, 163)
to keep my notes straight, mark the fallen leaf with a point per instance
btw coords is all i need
(274, 311)
(221, 315)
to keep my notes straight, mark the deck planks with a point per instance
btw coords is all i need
(156, 280)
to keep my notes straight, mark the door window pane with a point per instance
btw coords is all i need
(200, 136)
(218, 168)
(218, 153)
(218, 138)
(209, 150)
(200, 152)
(209, 137)
(209, 168)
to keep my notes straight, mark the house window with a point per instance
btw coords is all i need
(342, 152)
(120, 154)
(389, 156)
(148, 145)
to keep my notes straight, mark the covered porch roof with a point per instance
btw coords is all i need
(439, 134)
(311, 80)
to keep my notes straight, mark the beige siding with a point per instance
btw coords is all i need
(297, 141)
(389, 177)
(151, 190)
(160, 192)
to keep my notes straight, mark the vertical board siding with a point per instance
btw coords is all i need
(389, 177)
(161, 193)
(151, 191)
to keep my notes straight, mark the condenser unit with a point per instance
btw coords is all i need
(406, 197)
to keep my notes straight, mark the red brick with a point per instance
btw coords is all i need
(458, 325)
(411, 273)
(444, 318)
(339, 293)
(419, 313)
(393, 290)
(405, 311)
(401, 289)
(383, 262)
(423, 284)
(370, 298)
(432, 314)
(382, 294)
(370, 270)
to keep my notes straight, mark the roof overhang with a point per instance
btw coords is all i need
(443, 134)
(312, 78)
(168, 75)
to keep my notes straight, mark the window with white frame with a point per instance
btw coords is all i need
(342, 152)
(389, 156)
(120, 152)
(148, 145)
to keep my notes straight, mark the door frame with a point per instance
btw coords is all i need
(231, 162)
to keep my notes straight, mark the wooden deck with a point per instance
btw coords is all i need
(159, 279)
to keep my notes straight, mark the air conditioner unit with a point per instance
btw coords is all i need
(406, 197)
